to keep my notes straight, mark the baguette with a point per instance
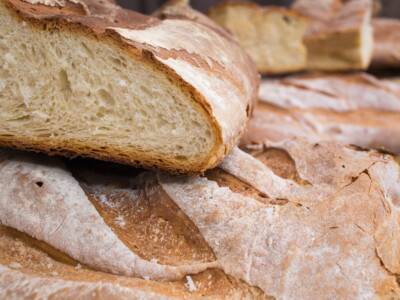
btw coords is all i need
(340, 35)
(89, 78)
(353, 109)
(271, 35)
(322, 215)
(387, 43)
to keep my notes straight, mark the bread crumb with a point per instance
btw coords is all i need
(190, 285)
(78, 267)
(54, 273)
(146, 277)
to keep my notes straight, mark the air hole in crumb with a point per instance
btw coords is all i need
(106, 98)
(64, 82)
(287, 19)
(39, 183)
(181, 157)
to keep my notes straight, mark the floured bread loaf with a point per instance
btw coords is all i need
(91, 79)
(340, 35)
(354, 109)
(271, 35)
(293, 220)
(122, 223)
(386, 43)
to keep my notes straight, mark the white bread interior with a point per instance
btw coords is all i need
(272, 36)
(64, 90)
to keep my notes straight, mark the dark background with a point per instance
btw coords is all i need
(391, 8)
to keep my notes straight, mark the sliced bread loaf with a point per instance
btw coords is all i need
(340, 35)
(271, 35)
(89, 78)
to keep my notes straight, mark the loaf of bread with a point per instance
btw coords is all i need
(354, 109)
(291, 220)
(271, 35)
(340, 35)
(88, 78)
(386, 43)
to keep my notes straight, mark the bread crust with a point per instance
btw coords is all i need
(105, 27)
(322, 214)
(353, 108)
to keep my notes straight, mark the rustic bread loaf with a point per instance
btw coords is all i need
(89, 78)
(271, 35)
(293, 220)
(386, 43)
(340, 35)
(354, 109)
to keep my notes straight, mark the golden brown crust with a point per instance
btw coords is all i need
(99, 24)
(33, 264)
(319, 214)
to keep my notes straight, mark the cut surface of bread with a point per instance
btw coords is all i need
(322, 215)
(356, 109)
(108, 83)
(340, 35)
(386, 43)
(271, 35)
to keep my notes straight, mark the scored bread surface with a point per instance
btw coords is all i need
(356, 109)
(321, 214)
(109, 83)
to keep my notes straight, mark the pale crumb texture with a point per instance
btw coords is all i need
(120, 86)
(272, 36)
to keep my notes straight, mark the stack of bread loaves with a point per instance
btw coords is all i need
(298, 212)
(326, 35)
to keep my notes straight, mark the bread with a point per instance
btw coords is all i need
(387, 43)
(271, 35)
(322, 215)
(340, 35)
(353, 109)
(89, 78)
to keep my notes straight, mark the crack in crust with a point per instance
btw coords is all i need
(336, 234)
